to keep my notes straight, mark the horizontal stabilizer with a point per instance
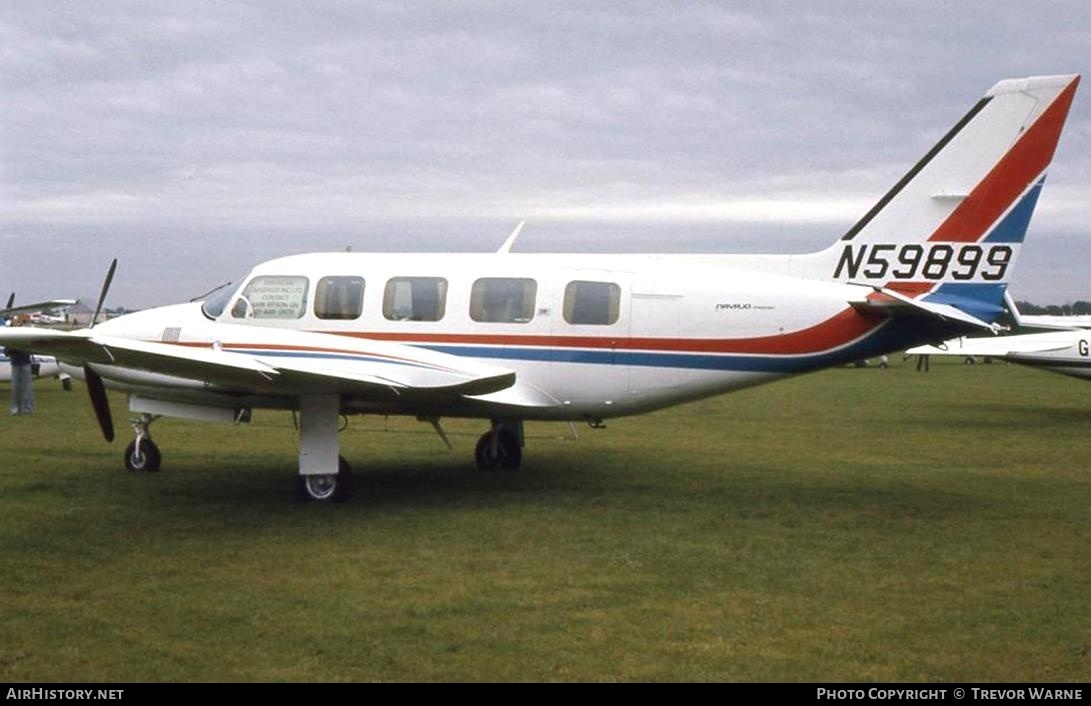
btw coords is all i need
(888, 302)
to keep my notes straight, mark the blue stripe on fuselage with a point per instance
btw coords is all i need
(894, 335)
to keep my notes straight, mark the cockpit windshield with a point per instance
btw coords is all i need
(214, 305)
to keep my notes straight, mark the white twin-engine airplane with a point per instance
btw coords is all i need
(512, 337)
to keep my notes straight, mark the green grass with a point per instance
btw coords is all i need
(850, 525)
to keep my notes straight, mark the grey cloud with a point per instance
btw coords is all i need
(167, 131)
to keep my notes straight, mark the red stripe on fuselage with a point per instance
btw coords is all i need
(838, 330)
(1011, 176)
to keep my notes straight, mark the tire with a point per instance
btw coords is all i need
(327, 488)
(508, 456)
(147, 460)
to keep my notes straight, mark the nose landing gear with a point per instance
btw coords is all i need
(142, 454)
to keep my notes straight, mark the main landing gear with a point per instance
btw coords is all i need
(319, 451)
(326, 487)
(324, 475)
(142, 454)
(501, 447)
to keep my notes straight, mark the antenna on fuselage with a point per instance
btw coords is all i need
(506, 247)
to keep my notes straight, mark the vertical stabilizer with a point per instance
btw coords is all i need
(951, 228)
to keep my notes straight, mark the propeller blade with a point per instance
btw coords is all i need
(102, 294)
(11, 301)
(97, 390)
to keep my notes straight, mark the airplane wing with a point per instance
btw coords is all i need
(1005, 346)
(285, 362)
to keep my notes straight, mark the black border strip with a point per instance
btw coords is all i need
(916, 169)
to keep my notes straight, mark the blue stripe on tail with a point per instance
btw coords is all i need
(1013, 227)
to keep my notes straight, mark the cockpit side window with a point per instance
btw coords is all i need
(272, 297)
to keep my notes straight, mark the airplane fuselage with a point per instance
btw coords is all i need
(588, 337)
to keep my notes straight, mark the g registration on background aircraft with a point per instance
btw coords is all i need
(511, 337)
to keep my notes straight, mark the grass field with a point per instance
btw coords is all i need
(850, 525)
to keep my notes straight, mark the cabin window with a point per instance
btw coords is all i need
(593, 303)
(272, 297)
(415, 299)
(503, 300)
(339, 298)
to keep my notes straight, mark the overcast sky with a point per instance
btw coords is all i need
(192, 140)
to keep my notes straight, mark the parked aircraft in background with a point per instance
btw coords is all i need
(1064, 352)
(1063, 349)
(42, 365)
(38, 311)
(510, 337)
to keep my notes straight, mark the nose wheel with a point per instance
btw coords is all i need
(142, 454)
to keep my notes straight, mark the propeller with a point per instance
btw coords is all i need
(101, 405)
(95, 388)
(105, 289)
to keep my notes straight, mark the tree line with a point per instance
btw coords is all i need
(1079, 308)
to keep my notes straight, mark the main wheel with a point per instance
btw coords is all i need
(326, 487)
(145, 458)
(507, 455)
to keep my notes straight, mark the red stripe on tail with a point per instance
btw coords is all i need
(1011, 176)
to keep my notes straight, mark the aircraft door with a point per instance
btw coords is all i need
(590, 323)
(655, 322)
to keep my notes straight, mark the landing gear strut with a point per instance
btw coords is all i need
(319, 451)
(501, 447)
(142, 454)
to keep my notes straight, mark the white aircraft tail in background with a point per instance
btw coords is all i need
(510, 337)
(1045, 321)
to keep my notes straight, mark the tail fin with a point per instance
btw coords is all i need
(952, 227)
